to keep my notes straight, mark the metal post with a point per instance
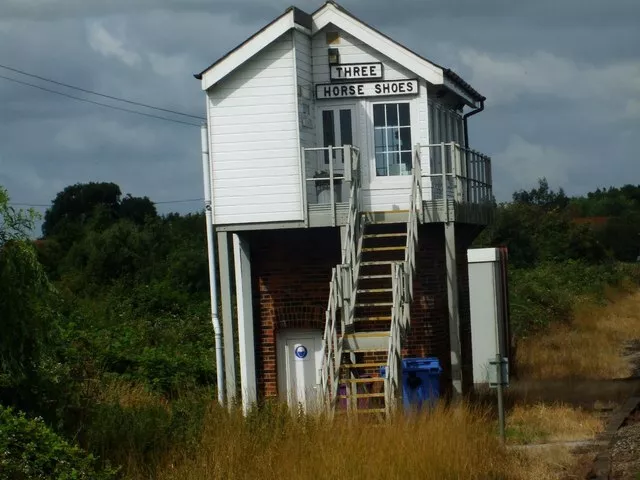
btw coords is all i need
(500, 398)
(445, 201)
(331, 186)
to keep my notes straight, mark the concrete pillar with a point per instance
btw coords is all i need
(454, 312)
(245, 322)
(227, 316)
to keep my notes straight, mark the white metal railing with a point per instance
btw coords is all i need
(329, 173)
(456, 173)
(343, 287)
(402, 290)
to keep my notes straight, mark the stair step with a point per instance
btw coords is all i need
(363, 380)
(365, 350)
(384, 249)
(375, 290)
(384, 235)
(380, 318)
(378, 262)
(364, 365)
(363, 395)
(369, 410)
(373, 277)
(375, 304)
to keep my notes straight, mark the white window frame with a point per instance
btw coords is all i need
(387, 181)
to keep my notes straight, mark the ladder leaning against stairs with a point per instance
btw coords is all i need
(368, 312)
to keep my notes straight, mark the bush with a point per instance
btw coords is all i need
(30, 450)
(548, 293)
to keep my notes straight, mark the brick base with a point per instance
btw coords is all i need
(291, 272)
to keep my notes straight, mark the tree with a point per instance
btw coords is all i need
(25, 291)
(76, 204)
(137, 209)
(542, 196)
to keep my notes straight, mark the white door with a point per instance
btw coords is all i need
(337, 125)
(301, 353)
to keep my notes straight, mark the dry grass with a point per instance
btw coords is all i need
(591, 347)
(450, 443)
(551, 423)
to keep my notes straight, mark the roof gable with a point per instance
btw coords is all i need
(332, 13)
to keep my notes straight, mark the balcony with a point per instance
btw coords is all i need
(456, 184)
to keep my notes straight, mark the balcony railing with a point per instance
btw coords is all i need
(329, 175)
(455, 173)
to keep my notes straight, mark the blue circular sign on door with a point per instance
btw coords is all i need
(300, 351)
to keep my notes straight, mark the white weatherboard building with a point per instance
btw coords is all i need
(338, 167)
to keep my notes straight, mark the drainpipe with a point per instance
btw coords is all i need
(211, 249)
(464, 119)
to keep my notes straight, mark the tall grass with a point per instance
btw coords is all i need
(590, 346)
(456, 442)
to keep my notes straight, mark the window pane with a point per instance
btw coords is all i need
(406, 161)
(381, 164)
(328, 132)
(378, 116)
(405, 119)
(405, 138)
(346, 135)
(393, 142)
(392, 114)
(379, 139)
(394, 163)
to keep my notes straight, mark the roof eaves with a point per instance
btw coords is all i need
(458, 80)
(300, 17)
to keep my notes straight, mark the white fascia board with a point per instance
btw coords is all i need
(330, 14)
(482, 255)
(239, 56)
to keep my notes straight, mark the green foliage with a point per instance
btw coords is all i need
(25, 291)
(30, 450)
(548, 293)
(145, 427)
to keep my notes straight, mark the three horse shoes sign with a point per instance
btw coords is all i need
(362, 80)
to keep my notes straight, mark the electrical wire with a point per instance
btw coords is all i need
(163, 202)
(159, 117)
(111, 97)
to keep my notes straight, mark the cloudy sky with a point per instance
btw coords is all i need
(562, 79)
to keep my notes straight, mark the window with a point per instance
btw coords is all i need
(392, 139)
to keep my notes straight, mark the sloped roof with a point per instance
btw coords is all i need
(333, 13)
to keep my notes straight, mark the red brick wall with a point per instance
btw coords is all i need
(291, 272)
(429, 335)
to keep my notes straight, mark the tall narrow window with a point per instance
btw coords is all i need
(328, 132)
(392, 139)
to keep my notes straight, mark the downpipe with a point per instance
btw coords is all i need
(464, 119)
(211, 249)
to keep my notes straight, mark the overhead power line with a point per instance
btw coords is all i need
(111, 97)
(159, 117)
(47, 205)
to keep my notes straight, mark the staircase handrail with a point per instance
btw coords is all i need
(402, 288)
(342, 289)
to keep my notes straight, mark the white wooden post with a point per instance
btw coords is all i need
(245, 322)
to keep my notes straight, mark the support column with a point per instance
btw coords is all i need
(453, 304)
(245, 322)
(343, 234)
(227, 317)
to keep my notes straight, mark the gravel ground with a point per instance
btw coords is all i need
(625, 450)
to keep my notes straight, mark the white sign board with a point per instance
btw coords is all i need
(369, 89)
(356, 71)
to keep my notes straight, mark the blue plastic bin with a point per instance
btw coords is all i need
(420, 382)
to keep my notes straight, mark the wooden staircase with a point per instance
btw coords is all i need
(366, 343)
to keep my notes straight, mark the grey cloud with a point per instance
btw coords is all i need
(578, 130)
